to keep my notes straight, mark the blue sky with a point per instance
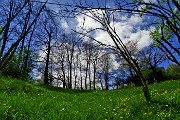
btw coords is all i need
(128, 27)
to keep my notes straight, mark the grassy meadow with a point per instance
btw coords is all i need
(20, 100)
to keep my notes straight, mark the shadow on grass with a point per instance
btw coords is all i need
(71, 91)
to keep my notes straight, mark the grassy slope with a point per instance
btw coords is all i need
(20, 100)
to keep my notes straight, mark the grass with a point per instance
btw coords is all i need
(21, 100)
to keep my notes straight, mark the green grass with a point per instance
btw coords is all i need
(20, 100)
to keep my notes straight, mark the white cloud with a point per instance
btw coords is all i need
(64, 24)
(127, 28)
(149, 1)
(135, 20)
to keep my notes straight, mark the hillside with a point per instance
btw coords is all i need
(21, 100)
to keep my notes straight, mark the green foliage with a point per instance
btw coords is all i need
(156, 35)
(168, 32)
(173, 71)
(156, 75)
(16, 67)
(12, 69)
(21, 100)
(148, 75)
(161, 74)
(1, 31)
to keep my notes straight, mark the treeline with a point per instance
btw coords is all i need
(160, 74)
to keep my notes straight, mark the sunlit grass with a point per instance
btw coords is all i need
(21, 100)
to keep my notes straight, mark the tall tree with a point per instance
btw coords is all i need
(105, 18)
(17, 8)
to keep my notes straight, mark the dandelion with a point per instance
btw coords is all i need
(62, 109)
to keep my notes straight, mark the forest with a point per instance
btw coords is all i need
(91, 45)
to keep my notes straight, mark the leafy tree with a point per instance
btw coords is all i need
(148, 75)
(151, 57)
(173, 71)
(165, 15)
(14, 69)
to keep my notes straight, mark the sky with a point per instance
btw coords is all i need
(127, 27)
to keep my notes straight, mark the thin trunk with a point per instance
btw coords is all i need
(81, 77)
(5, 37)
(89, 78)
(26, 67)
(94, 83)
(145, 87)
(21, 56)
(101, 84)
(46, 77)
(64, 75)
(70, 75)
(106, 80)
(68, 78)
(46, 72)
(87, 64)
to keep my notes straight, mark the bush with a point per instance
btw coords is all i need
(173, 71)
(14, 69)
(148, 75)
(154, 76)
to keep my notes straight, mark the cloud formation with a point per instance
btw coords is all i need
(127, 27)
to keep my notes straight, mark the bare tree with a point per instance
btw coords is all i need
(105, 17)
(59, 61)
(106, 64)
(16, 9)
(150, 57)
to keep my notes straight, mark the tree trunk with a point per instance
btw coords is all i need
(46, 72)
(46, 77)
(81, 77)
(89, 77)
(145, 89)
(86, 75)
(70, 75)
(94, 83)
(106, 80)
